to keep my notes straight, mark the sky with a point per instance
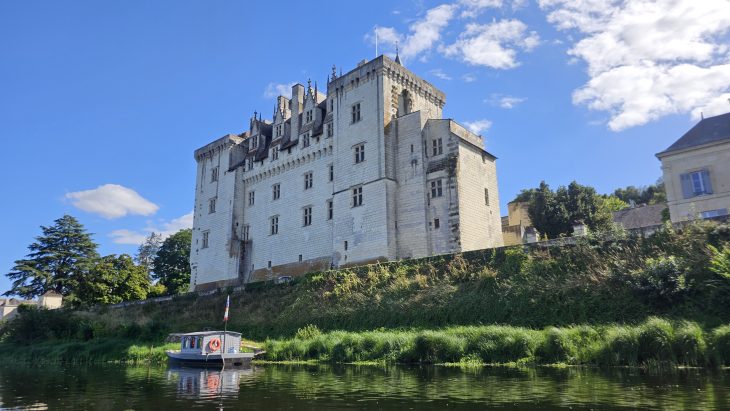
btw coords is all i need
(103, 103)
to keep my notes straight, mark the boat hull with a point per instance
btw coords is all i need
(210, 360)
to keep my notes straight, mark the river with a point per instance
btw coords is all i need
(284, 387)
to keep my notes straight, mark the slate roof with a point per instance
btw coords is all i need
(638, 217)
(708, 130)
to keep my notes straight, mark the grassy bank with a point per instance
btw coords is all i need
(102, 350)
(654, 342)
(680, 275)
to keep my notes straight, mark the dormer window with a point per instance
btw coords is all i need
(278, 130)
(308, 116)
(255, 142)
(305, 140)
(330, 130)
(274, 153)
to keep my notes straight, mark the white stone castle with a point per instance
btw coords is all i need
(369, 171)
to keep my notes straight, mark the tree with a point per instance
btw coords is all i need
(171, 265)
(614, 203)
(114, 279)
(653, 194)
(148, 250)
(554, 213)
(58, 260)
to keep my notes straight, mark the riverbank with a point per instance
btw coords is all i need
(655, 342)
(97, 351)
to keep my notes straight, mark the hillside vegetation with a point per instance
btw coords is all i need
(680, 275)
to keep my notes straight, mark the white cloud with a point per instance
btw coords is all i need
(468, 77)
(478, 126)
(423, 33)
(472, 8)
(506, 102)
(648, 58)
(440, 74)
(274, 90)
(112, 201)
(492, 45)
(164, 228)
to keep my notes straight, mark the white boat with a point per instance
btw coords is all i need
(211, 348)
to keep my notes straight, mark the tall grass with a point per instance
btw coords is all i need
(101, 350)
(655, 342)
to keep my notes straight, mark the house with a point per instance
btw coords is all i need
(9, 306)
(696, 171)
(516, 225)
(366, 171)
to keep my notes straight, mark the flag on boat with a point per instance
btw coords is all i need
(228, 303)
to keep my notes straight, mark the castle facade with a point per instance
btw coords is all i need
(367, 171)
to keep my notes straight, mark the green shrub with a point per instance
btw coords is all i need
(558, 346)
(656, 337)
(720, 345)
(308, 332)
(438, 347)
(689, 344)
(620, 347)
(495, 344)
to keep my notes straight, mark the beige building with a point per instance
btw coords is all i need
(9, 306)
(516, 225)
(365, 169)
(697, 171)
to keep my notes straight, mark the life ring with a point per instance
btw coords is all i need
(213, 382)
(214, 344)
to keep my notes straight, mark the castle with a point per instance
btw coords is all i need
(368, 171)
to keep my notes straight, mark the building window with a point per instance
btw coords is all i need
(255, 142)
(359, 153)
(245, 232)
(276, 191)
(211, 205)
(300, 257)
(437, 146)
(307, 216)
(274, 153)
(332, 172)
(486, 196)
(330, 130)
(436, 223)
(250, 164)
(206, 234)
(308, 180)
(308, 116)
(356, 113)
(305, 140)
(345, 245)
(696, 183)
(436, 190)
(274, 225)
(251, 197)
(357, 196)
(278, 130)
(332, 105)
(714, 213)
(330, 209)
(269, 263)
(214, 174)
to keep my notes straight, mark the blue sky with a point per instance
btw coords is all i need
(103, 103)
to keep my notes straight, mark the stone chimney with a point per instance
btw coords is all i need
(297, 105)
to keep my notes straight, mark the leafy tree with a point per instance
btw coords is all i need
(148, 250)
(614, 203)
(554, 213)
(114, 279)
(59, 260)
(653, 194)
(171, 265)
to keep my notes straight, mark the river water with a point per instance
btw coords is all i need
(280, 387)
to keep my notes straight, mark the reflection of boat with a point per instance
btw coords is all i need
(211, 348)
(202, 383)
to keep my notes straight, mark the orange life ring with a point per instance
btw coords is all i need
(214, 344)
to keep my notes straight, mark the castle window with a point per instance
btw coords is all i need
(308, 180)
(356, 113)
(214, 174)
(278, 130)
(308, 116)
(206, 234)
(307, 216)
(274, 225)
(438, 147)
(486, 196)
(330, 209)
(274, 153)
(345, 245)
(250, 164)
(245, 232)
(211, 205)
(330, 130)
(359, 153)
(332, 172)
(436, 190)
(305, 140)
(276, 191)
(269, 263)
(357, 196)
(332, 105)
(251, 197)
(255, 142)
(436, 223)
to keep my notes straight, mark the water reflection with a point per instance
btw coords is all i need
(273, 387)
